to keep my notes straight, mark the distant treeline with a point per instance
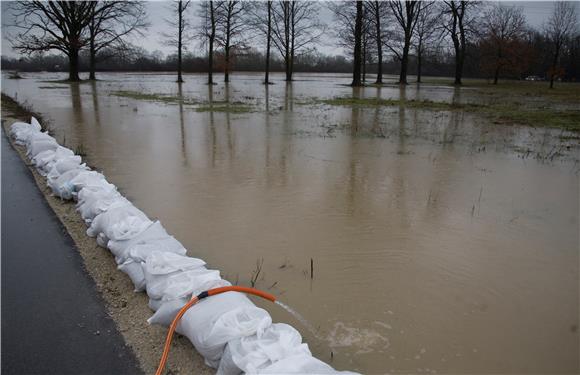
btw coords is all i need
(442, 65)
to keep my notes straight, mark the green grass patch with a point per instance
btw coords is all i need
(137, 95)
(509, 113)
(226, 108)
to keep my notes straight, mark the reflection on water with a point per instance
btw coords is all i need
(440, 242)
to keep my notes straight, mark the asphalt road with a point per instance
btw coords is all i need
(53, 319)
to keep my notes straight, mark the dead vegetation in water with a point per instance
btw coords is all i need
(256, 272)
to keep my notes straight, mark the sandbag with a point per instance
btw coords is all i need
(165, 311)
(153, 232)
(252, 353)
(135, 272)
(38, 146)
(91, 203)
(45, 160)
(89, 180)
(64, 165)
(227, 365)
(61, 185)
(118, 223)
(173, 274)
(141, 250)
(214, 321)
(300, 364)
(21, 131)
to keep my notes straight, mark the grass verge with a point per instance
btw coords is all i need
(23, 110)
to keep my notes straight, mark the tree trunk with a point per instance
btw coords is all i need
(364, 60)
(92, 52)
(269, 36)
(379, 45)
(211, 39)
(227, 66)
(419, 61)
(496, 75)
(227, 49)
(73, 65)
(179, 41)
(554, 65)
(92, 62)
(288, 72)
(356, 69)
(458, 68)
(404, 63)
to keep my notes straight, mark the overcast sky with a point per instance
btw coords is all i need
(537, 12)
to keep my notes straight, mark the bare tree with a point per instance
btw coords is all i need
(295, 27)
(230, 31)
(406, 14)
(111, 23)
(210, 13)
(357, 55)
(458, 26)
(268, 42)
(259, 17)
(377, 12)
(181, 33)
(503, 32)
(561, 27)
(426, 33)
(53, 25)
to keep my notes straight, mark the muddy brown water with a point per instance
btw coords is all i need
(440, 241)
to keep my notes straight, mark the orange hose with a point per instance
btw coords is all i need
(193, 301)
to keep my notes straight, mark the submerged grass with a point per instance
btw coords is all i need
(214, 106)
(23, 110)
(227, 108)
(508, 113)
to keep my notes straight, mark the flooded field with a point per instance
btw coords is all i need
(440, 241)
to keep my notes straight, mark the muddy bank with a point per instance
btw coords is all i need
(128, 309)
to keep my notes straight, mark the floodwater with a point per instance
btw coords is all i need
(440, 242)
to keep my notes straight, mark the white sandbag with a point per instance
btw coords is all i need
(173, 274)
(182, 284)
(135, 273)
(165, 311)
(35, 124)
(38, 146)
(214, 321)
(39, 136)
(61, 185)
(251, 353)
(127, 228)
(141, 250)
(89, 180)
(300, 364)
(41, 159)
(45, 160)
(92, 202)
(21, 131)
(227, 365)
(117, 223)
(57, 167)
(155, 231)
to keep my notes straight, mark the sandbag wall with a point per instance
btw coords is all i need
(233, 335)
